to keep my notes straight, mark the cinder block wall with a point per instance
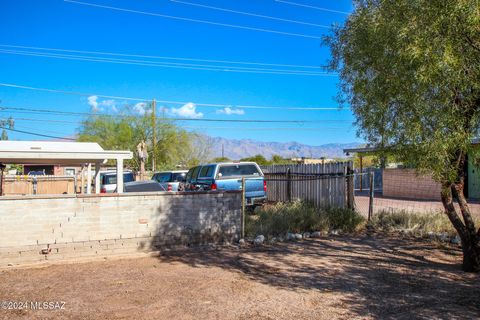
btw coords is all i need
(37, 228)
(406, 183)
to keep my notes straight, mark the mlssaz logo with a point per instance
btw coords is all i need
(47, 305)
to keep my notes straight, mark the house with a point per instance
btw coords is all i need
(407, 183)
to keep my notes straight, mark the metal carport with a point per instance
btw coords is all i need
(65, 153)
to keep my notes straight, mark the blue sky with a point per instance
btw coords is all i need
(72, 26)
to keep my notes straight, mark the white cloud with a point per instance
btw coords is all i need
(187, 111)
(92, 102)
(228, 110)
(140, 108)
(97, 105)
(112, 104)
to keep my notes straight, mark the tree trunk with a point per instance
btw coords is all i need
(469, 238)
(471, 247)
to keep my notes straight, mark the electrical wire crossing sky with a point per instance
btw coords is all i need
(238, 70)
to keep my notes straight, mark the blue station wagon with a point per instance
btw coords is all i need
(228, 176)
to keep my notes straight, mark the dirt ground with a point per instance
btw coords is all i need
(358, 277)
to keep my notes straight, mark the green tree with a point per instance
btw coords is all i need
(6, 123)
(221, 159)
(410, 71)
(277, 159)
(174, 146)
(259, 159)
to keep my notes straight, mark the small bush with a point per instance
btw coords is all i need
(300, 216)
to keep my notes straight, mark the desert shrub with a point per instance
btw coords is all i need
(344, 219)
(300, 216)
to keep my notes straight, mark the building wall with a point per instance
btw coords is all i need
(406, 183)
(68, 227)
(473, 179)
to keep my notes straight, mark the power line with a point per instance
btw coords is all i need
(311, 7)
(194, 20)
(250, 14)
(192, 127)
(170, 64)
(162, 57)
(49, 111)
(38, 134)
(165, 101)
(46, 120)
(268, 129)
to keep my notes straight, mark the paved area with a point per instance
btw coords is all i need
(358, 277)
(394, 204)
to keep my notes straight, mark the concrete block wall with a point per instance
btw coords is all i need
(39, 228)
(407, 183)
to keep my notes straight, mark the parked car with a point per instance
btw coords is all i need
(228, 176)
(143, 186)
(36, 173)
(171, 180)
(108, 180)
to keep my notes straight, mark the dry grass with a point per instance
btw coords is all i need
(417, 223)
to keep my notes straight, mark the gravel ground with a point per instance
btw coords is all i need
(355, 277)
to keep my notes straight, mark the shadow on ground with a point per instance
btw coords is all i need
(380, 277)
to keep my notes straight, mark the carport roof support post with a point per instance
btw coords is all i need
(119, 175)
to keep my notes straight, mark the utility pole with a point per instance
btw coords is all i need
(154, 135)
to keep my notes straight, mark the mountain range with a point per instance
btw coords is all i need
(237, 149)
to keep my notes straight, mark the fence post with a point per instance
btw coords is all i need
(372, 188)
(2, 169)
(361, 173)
(289, 186)
(243, 207)
(34, 182)
(349, 178)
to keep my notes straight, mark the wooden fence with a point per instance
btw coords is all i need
(326, 185)
(28, 185)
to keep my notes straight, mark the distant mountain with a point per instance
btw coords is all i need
(237, 149)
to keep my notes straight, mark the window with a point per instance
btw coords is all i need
(69, 171)
(163, 177)
(112, 178)
(207, 171)
(178, 177)
(195, 173)
(189, 175)
(237, 170)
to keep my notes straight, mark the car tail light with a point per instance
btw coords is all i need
(169, 187)
(213, 187)
(264, 185)
(103, 190)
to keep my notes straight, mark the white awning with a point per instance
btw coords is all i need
(52, 152)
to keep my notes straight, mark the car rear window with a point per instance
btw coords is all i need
(163, 177)
(179, 177)
(236, 170)
(112, 178)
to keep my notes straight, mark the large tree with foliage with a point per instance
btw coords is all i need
(410, 71)
(123, 131)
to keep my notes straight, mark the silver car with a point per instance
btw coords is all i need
(171, 180)
(108, 180)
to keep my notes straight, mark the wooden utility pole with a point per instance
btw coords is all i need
(154, 135)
